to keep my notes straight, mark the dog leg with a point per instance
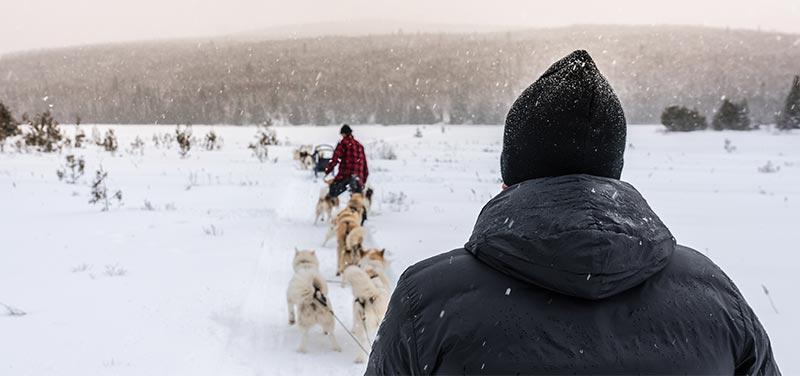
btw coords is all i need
(291, 312)
(303, 341)
(360, 334)
(329, 325)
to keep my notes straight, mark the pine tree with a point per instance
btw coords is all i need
(732, 116)
(8, 126)
(682, 119)
(789, 117)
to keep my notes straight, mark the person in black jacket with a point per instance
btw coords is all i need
(568, 270)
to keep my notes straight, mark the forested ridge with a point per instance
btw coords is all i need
(395, 79)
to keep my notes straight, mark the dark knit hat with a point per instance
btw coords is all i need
(346, 130)
(567, 122)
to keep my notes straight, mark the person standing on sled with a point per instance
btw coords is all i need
(353, 171)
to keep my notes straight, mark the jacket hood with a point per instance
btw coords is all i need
(579, 235)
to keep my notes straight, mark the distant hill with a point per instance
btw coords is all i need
(359, 28)
(396, 78)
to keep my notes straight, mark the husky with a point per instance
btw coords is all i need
(308, 292)
(303, 154)
(325, 205)
(373, 260)
(369, 306)
(346, 223)
(354, 245)
(356, 203)
(368, 192)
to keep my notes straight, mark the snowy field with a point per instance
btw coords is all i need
(195, 283)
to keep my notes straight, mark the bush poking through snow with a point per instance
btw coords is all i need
(100, 192)
(265, 136)
(44, 133)
(164, 140)
(769, 168)
(115, 271)
(397, 201)
(212, 230)
(11, 311)
(184, 138)
(418, 134)
(382, 150)
(137, 146)
(110, 143)
(97, 139)
(729, 147)
(72, 170)
(213, 142)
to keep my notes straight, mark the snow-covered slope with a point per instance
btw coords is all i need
(197, 284)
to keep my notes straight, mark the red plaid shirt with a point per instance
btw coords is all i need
(349, 155)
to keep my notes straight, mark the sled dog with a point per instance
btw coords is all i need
(308, 293)
(325, 205)
(369, 305)
(373, 260)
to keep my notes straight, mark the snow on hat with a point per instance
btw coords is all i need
(567, 122)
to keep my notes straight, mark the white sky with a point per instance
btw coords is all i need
(32, 24)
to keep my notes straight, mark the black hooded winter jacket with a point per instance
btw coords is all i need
(569, 274)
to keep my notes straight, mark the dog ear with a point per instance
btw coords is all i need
(363, 252)
(296, 251)
(313, 252)
(382, 251)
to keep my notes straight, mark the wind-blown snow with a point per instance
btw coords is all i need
(135, 292)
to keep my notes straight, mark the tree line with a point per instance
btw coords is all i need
(394, 79)
(733, 115)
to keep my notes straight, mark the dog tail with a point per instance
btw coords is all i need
(360, 282)
(309, 287)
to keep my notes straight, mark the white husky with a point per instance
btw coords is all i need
(369, 305)
(308, 291)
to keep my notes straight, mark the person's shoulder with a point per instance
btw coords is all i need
(441, 271)
(688, 266)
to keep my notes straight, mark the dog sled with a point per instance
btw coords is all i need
(322, 158)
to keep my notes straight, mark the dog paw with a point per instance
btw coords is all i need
(360, 360)
(337, 349)
(291, 322)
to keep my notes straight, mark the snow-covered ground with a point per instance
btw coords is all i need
(196, 284)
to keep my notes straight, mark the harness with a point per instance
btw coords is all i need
(320, 297)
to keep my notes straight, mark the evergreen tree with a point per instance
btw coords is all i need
(789, 117)
(8, 126)
(682, 119)
(732, 116)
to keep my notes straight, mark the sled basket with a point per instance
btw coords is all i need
(322, 157)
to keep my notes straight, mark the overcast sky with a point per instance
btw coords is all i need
(32, 24)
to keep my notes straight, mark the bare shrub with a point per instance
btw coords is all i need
(769, 168)
(212, 230)
(183, 135)
(100, 191)
(212, 142)
(110, 143)
(12, 311)
(137, 146)
(382, 150)
(265, 136)
(72, 170)
(115, 271)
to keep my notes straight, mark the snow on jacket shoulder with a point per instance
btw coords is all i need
(571, 274)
